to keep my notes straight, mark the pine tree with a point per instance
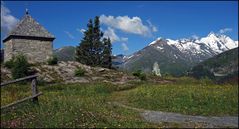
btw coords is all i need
(92, 50)
(85, 50)
(97, 43)
(106, 55)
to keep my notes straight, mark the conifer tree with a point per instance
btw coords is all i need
(106, 55)
(92, 50)
(98, 45)
(84, 50)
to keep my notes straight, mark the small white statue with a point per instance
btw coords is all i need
(156, 69)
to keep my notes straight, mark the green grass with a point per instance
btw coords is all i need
(75, 105)
(10, 93)
(187, 96)
(86, 105)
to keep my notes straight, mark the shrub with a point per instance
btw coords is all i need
(9, 64)
(140, 75)
(52, 61)
(79, 72)
(20, 67)
(137, 73)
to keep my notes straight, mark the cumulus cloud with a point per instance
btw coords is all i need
(81, 30)
(110, 32)
(225, 30)
(124, 47)
(153, 27)
(69, 35)
(132, 25)
(8, 21)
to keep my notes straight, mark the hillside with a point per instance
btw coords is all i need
(223, 66)
(65, 53)
(177, 56)
(168, 63)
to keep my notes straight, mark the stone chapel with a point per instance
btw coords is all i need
(29, 38)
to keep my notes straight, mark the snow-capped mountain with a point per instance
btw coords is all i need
(219, 43)
(211, 44)
(181, 52)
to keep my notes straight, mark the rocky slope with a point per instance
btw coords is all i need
(64, 72)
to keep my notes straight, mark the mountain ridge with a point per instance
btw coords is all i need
(183, 52)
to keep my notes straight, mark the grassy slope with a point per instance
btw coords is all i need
(187, 96)
(85, 105)
(80, 105)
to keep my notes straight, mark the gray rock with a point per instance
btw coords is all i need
(101, 70)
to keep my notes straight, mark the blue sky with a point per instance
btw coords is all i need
(131, 25)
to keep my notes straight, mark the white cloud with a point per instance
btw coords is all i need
(225, 30)
(132, 25)
(195, 36)
(81, 30)
(113, 36)
(124, 47)
(8, 21)
(153, 27)
(69, 35)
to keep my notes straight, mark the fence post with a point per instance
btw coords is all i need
(34, 90)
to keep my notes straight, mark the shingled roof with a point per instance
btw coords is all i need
(29, 28)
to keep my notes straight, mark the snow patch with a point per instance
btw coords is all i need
(159, 47)
(172, 42)
(155, 41)
(129, 57)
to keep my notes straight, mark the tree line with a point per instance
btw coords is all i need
(94, 49)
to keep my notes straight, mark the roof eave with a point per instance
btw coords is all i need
(28, 37)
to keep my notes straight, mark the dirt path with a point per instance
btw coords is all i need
(208, 122)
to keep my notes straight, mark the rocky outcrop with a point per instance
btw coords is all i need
(64, 72)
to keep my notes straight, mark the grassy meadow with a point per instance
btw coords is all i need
(186, 96)
(87, 105)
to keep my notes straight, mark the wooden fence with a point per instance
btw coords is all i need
(35, 92)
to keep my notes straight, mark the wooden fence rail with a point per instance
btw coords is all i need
(35, 93)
